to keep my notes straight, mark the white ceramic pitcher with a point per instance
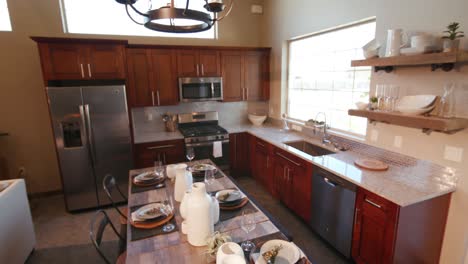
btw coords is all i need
(183, 182)
(394, 42)
(199, 211)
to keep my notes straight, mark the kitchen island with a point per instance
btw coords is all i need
(173, 247)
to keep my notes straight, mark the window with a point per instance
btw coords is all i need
(110, 18)
(321, 78)
(5, 24)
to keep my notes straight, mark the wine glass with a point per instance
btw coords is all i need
(209, 177)
(248, 225)
(190, 154)
(158, 168)
(379, 94)
(168, 210)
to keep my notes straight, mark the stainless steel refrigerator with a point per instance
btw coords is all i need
(92, 137)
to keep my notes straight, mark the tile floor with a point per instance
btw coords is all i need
(64, 237)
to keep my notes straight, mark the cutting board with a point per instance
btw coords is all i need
(371, 164)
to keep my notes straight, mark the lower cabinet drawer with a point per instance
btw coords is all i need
(168, 152)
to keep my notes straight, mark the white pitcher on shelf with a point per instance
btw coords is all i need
(394, 42)
(200, 210)
(183, 181)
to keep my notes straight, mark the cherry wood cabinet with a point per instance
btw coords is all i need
(198, 63)
(239, 154)
(233, 76)
(387, 233)
(261, 162)
(80, 59)
(293, 182)
(245, 75)
(152, 79)
(171, 151)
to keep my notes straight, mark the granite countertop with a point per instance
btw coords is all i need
(407, 181)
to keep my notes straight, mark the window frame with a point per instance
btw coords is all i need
(10, 29)
(332, 130)
(66, 30)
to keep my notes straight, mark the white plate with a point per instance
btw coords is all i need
(417, 50)
(415, 101)
(234, 195)
(289, 253)
(411, 111)
(145, 176)
(150, 211)
(203, 167)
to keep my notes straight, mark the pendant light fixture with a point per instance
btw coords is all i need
(172, 19)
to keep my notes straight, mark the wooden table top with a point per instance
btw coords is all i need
(174, 247)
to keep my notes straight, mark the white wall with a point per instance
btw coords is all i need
(288, 19)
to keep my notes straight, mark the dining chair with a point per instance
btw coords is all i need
(102, 220)
(110, 184)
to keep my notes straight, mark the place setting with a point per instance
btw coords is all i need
(149, 180)
(199, 171)
(153, 219)
(231, 201)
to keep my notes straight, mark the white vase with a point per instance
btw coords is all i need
(214, 209)
(183, 182)
(200, 224)
(183, 204)
(228, 249)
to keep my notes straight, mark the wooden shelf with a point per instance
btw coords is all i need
(443, 60)
(426, 123)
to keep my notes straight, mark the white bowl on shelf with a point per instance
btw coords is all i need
(415, 101)
(371, 49)
(414, 111)
(257, 120)
(361, 105)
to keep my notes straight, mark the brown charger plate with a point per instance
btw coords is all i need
(150, 224)
(149, 183)
(242, 204)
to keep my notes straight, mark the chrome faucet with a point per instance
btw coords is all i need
(325, 139)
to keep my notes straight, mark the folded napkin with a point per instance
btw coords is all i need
(217, 149)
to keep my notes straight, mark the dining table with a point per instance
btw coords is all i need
(156, 246)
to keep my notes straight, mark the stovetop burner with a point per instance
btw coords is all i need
(202, 130)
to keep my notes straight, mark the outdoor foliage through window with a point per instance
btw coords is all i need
(5, 24)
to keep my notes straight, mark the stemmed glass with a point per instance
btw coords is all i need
(209, 178)
(248, 225)
(158, 169)
(168, 210)
(190, 154)
(379, 94)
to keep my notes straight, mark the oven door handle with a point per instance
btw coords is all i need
(204, 144)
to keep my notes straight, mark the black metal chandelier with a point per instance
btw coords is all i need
(171, 19)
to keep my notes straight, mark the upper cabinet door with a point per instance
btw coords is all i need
(187, 63)
(140, 85)
(165, 77)
(232, 74)
(62, 61)
(254, 75)
(105, 62)
(209, 64)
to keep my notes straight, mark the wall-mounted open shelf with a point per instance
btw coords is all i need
(443, 60)
(426, 123)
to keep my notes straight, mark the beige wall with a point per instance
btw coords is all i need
(288, 19)
(23, 108)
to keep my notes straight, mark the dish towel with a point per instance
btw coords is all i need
(217, 149)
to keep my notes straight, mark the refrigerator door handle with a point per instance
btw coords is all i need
(89, 132)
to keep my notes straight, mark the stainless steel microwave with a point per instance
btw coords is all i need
(201, 89)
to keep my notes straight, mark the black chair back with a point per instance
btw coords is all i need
(110, 184)
(102, 219)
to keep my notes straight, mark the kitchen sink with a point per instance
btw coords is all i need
(309, 148)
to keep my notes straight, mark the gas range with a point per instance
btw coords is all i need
(201, 129)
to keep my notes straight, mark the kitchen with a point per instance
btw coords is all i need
(30, 135)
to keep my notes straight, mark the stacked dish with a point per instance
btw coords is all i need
(416, 104)
(151, 215)
(200, 169)
(231, 199)
(279, 252)
(148, 178)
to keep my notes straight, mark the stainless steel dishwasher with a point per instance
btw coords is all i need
(333, 209)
